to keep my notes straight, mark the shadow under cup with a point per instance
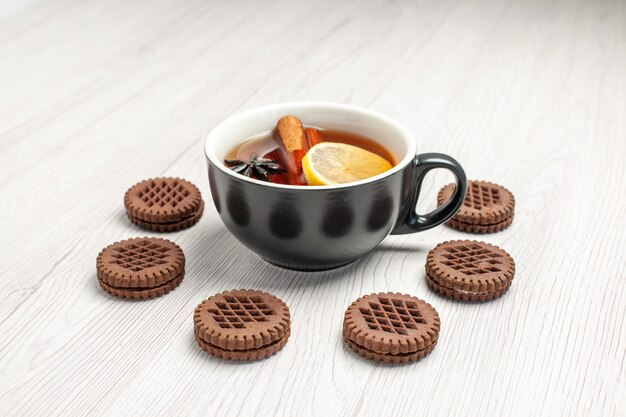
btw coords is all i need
(323, 227)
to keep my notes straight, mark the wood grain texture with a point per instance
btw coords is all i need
(97, 95)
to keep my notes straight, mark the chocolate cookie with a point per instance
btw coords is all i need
(139, 268)
(391, 327)
(242, 325)
(164, 204)
(487, 207)
(469, 270)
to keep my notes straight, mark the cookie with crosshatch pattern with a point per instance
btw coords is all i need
(242, 325)
(164, 204)
(469, 270)
(487, 207)
(391, 327)
(143, 267)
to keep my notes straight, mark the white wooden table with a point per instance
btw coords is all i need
(96, 95)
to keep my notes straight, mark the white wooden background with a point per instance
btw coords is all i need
(96, 95)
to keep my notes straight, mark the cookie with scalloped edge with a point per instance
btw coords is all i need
(469, 270)
(142, 294)
(143, 267)
(244, 355)
(164, 204)
(391, 327)
(391, 359)
(478, 228)
(242, 321)
(487, 207)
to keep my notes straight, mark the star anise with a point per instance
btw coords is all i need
(258, 168)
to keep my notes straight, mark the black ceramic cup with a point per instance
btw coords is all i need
(324, 227)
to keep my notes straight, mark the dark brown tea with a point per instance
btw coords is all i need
(278, 155)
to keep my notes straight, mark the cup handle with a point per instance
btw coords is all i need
(422, 164)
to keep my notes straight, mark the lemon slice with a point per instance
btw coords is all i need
(330, 163)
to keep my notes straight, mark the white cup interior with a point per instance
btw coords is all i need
(242, 126)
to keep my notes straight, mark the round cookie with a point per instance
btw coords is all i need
(140, 294)
(244, 355)
(487, 207)
(395, 359)
(140, 268)
(242, 324)
(478, 228)
(469, 270)
(391, 327)
(164, 204)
